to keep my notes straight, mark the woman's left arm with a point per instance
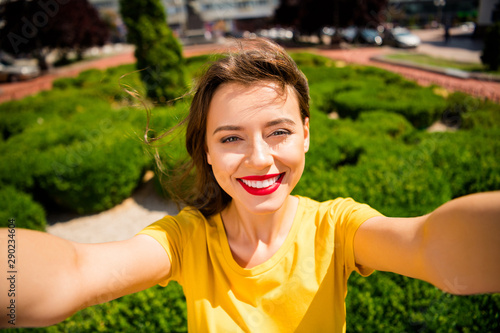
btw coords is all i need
(456, 247)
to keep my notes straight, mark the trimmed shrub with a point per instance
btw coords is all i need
(392, 303)
(158, 53)
(391, 98)
(372, 165)
(458, 107)
(381, 122)
(352, 90)
(93, 176)
(15, 116)
(468, 159)
(153, 310)
(303, 59)
(104, 85)
(20, 206)
(84, 162)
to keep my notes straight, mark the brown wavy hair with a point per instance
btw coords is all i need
(252, 61)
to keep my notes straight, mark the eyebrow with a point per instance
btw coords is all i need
(268, 124)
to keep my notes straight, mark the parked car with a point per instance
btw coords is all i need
(369, 36)
(13, 71)
(361, 35)
(276, 33)
(349, 34)
(330, 35)
(401, 37)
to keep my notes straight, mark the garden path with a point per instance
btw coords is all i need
(121, 222)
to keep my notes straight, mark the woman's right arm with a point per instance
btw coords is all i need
(54, 278)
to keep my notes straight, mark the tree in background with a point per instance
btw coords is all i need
(310, 16)
(36, 28)
(491, 50)
(158, 53)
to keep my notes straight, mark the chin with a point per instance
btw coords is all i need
(263, 205)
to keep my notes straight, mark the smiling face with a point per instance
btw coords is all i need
(256, 144)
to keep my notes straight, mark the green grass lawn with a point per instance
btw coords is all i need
(440, 62)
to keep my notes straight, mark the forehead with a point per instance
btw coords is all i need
(234, 101)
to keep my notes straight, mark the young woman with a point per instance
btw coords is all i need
(250, 256)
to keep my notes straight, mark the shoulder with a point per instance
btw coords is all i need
(187, 221)
(335, 206)
(337, 211)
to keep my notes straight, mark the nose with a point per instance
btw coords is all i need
(259, 155)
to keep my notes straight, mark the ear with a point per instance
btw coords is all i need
(209, 159)
(306, 135)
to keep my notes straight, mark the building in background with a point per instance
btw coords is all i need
(207, 19)
(489, 12)
(433, 12)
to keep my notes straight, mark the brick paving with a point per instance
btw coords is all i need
(486, 89)
(363, 55)
(17, 90)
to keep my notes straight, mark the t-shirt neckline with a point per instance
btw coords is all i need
(269, 263)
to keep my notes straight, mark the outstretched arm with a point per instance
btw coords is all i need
(456, 247)
(55, 278)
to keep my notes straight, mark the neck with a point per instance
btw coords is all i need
(254, 238)
(240, 223)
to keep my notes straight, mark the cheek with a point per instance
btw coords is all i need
(225, 164)
(292, 153)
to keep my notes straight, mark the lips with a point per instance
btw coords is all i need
(261, 185)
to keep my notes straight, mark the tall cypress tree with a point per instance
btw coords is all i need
(491, 49)
(158, 52)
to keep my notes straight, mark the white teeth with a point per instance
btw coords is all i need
(261, 184)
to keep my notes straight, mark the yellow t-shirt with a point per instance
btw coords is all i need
(301, 288)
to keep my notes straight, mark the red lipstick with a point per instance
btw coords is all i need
(265, 190)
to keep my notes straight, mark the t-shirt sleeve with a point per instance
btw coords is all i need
(349, 216)
(167, 232)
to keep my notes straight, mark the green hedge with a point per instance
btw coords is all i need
(20, 206)
(469, 160)
(351, 90)
(71, 147)
(372, 164)
(153, 310)
(386, 302)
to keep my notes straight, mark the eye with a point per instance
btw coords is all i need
(281, 132)
(230, 139)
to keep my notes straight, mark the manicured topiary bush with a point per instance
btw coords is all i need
(392, 303)
(391, 98)
(91, 177)
(372, 165)
(153, 310)
(351, 90)
(469, 159)
(107, 85)
(19, 206)
(158, 52)
(15, 117)
(306, 59)
(382, 122)
(81, 153)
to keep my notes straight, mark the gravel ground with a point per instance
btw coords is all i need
(119, 223)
